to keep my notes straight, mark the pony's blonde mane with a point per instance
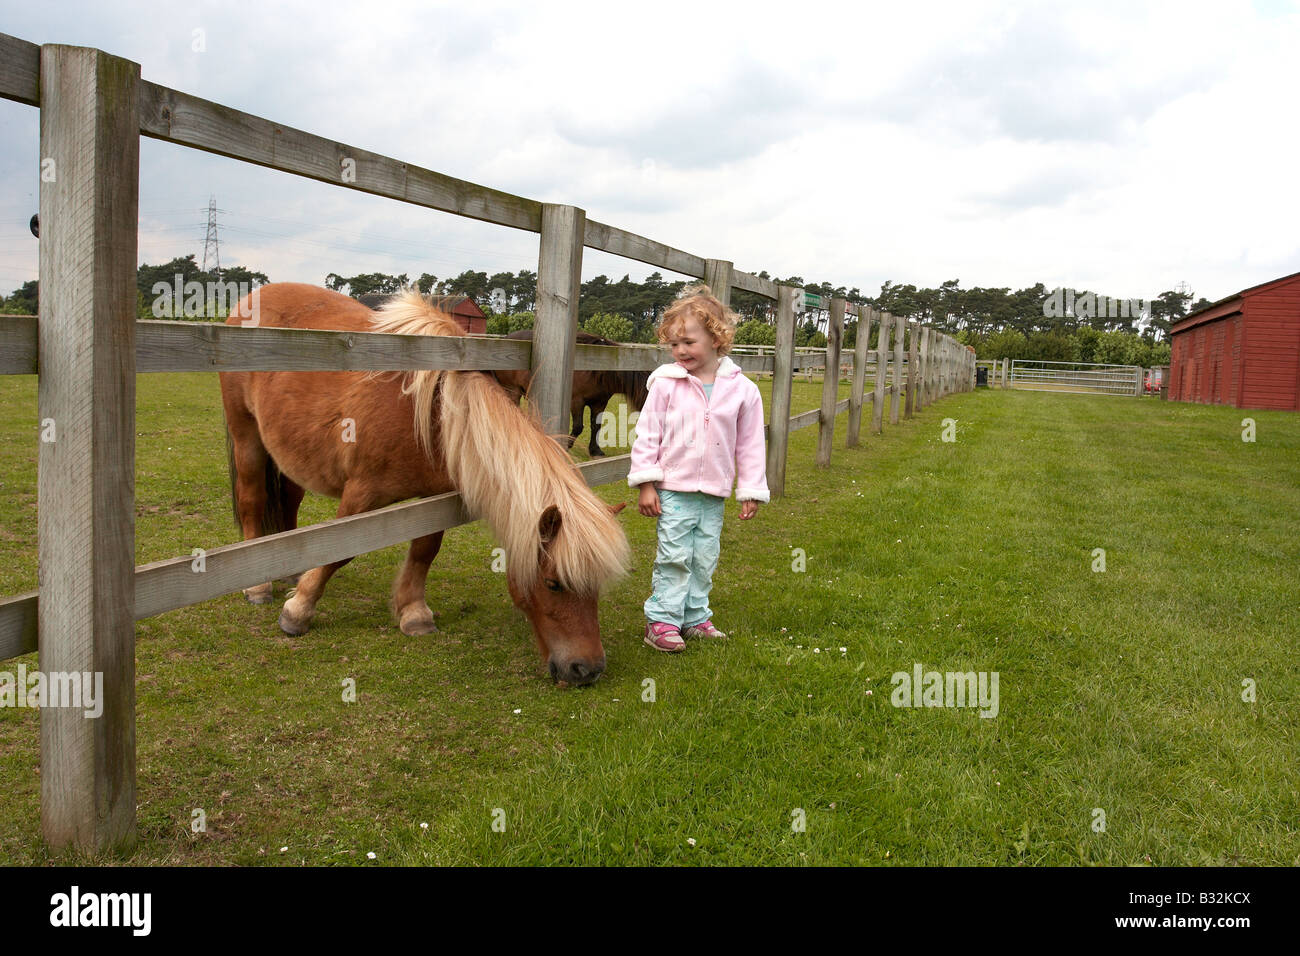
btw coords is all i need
(508, 471)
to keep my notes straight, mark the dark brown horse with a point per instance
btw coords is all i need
(374, 439)
(591, 389)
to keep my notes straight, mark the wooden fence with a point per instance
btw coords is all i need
(88, 347)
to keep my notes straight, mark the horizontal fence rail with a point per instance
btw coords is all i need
(166, 346)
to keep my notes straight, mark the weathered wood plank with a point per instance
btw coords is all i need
(913, 366)
(175, 583)
(177, 117)
(620, 242)
(830, 383)
(805, 420)
(896, 381)
(18, 351)
(923, 392)
(813, 417)
(86, 461)
(18, 625)
(167, 346)
(882, 364)
(860, 342)
(20, 70)
(604, 471)
(717, 276)
(559, 282)
(752, 283)
(782, 382)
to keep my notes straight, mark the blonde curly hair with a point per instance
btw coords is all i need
(715, 318)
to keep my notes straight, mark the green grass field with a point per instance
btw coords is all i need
(1120, 691)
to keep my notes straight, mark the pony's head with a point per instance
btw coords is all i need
(563, 616)
(562, 543)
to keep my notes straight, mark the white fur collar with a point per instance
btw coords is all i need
(726, 369)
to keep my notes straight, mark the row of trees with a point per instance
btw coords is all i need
(1029, 323)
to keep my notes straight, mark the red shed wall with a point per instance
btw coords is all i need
(1271, 355)
(1248, 356)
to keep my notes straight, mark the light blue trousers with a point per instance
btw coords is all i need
(690, 531)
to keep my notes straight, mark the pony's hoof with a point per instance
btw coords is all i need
(417, 623)
(260, 594)
(293, 626)
(596, 453)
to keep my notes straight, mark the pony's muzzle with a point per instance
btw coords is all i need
(576, 672)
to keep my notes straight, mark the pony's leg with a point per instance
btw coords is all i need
(409, 604)
(597, 410)
(296, 615)
(251, 461)
(291, 495)
(576, 408)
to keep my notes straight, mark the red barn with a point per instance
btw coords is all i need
(465, 311)
(460, 307)
(1243, 350)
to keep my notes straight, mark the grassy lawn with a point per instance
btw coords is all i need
(1120, 691)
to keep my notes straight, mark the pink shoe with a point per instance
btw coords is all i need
(703, 629)
(664, 637)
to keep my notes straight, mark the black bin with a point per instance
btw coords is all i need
(982, 376)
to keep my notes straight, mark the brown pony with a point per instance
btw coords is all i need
(592, 389)
(371, 439)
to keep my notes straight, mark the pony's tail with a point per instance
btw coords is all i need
(636, 386)
(273, 517)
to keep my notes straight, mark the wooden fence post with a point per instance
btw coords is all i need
(913, 366)
(717, 276)
(943, 366)
(922, 394)
(559, 281)
(830, 383)
(89, 204)
(778, 432)
(896, 382)
(923, 397)
(1005, 363)
(882, 363)
(949, 366)
(861, 339)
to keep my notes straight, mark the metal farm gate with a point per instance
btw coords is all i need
(1083, 377)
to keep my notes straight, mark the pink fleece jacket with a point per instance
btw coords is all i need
(687, 442)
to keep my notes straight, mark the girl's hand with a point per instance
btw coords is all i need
(748, 509)
(649, 501)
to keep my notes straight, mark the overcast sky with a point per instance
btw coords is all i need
(1122, 147)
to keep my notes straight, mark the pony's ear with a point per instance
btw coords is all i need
(548, 526)
(615, 509)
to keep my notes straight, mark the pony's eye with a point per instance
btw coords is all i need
(554, 585)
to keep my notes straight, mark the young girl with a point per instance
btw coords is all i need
(701, 424)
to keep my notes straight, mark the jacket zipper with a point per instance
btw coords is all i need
(704, 438)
